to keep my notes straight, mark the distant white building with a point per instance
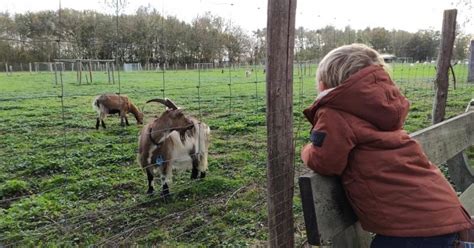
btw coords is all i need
(132, 67)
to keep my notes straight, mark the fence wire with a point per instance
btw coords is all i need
(64, 182)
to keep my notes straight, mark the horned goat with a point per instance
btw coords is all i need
(112, 104)
(172, 140)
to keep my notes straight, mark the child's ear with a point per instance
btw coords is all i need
(321, 86)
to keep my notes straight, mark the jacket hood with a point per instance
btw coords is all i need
(368, 94)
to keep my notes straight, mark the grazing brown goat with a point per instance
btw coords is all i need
(112, 104)
(172, 140)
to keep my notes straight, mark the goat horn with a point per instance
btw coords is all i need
(167, 102)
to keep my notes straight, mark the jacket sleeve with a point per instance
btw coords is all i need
(332, 140)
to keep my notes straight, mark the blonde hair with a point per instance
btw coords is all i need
(340, 63)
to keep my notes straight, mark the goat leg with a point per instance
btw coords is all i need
(195, 171)
(166, 174)
(203, 174)
(165, 193)
(126, 121)
(103, 124)
(150, 182)
(97, 123)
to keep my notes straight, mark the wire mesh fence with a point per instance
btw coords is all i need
(64, 182)
(74, 184)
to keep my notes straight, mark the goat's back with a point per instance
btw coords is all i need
(108, 101)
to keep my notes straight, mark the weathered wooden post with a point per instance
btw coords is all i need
(280, 151)
(470, 73)
(79, 69)
(84, 68)
(77, 72)
(107, 67)
(56, 73)
(113, 73)
(29, 65)
(444, 61)
(90, 70)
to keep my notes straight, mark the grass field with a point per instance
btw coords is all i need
(64, 183)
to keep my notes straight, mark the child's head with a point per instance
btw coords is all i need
(340, 63)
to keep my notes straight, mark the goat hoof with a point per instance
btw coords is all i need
(165, 195)
(194, 173)
(165, 192)
(203, 174)
(150, 191)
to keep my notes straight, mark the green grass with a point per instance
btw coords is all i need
(64, 183)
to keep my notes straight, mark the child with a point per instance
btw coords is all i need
(357, 134)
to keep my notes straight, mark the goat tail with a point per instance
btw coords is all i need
(203, 133)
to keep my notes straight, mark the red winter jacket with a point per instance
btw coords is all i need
(392, 186)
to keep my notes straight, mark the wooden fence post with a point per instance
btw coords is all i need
(470, 73)
(280, 147)
(77, 72)
(444, 61)
(90, 70)
(113, 73)
(56, 73)
(107, 66)
(80, 71)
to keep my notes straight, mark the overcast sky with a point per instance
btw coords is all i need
(410, 15)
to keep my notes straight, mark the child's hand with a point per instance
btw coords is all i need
(305, 153)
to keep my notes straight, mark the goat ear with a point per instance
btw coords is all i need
(178, 112)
